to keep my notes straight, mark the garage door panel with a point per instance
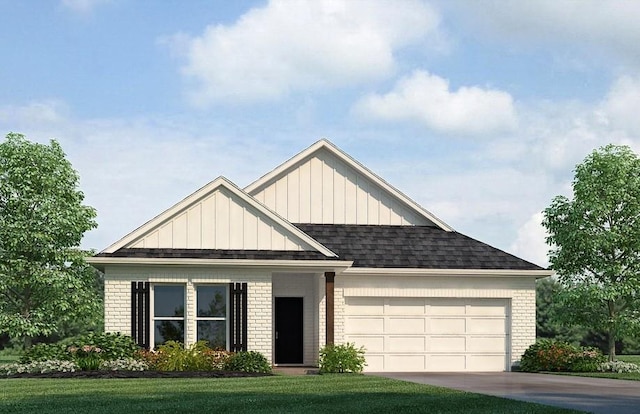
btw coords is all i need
(406, 344)
(405, 326)
(486, 344)
(364, 306)
(447, 344)
(405, 363)
(363, 325)
(486, 363)
(441, 307)
(492, 308)
(446, 363)
(405, 306)
(370, 343)
(447, 325)
(375, 363)
(486, 326)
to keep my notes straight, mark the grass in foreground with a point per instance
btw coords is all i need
(300, 394)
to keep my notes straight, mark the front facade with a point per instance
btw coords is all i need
(320, 250)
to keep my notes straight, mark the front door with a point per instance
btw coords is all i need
(288, 320)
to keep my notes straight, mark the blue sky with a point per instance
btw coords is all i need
(479, 111)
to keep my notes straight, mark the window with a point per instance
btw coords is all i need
(168, 313)
(211, 318)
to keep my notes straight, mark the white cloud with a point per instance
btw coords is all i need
(596, 27)
(530, 243)
(428, 99)
(620, 107)
(302, 45)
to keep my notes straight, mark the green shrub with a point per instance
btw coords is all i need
(550, 355)
(45, 352)
(173, 356)
(124, 364)
(248, 361)
(41, 367)
(342, 358)
(112, 345)
(619, 367)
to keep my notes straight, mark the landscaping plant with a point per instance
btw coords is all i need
(550, 355)
(341, 358)
(248, 361)
(173, 356)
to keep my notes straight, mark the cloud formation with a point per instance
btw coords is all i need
(301, 45)
(428, 99)
(83, 6)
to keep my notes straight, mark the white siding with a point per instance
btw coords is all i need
(323, 189)
(220, 221)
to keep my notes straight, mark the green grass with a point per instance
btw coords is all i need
(630, 358)
(278, 394)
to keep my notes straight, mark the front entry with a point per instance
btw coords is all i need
(289, 323)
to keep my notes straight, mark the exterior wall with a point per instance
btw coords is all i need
(304, 286)
(219, 221)
(323, 189)
(519, 290)
(118, 296)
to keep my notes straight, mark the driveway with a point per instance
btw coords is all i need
(595, 395)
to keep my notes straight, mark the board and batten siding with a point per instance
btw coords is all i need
(323, 189)
(219, 221)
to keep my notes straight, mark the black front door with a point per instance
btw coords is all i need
(289, 343)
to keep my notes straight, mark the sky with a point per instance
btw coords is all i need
(478, 111)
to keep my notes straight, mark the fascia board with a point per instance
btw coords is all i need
(538, 274)
(335, 265)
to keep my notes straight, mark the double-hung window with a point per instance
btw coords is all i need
(168, 313)
(211, 316)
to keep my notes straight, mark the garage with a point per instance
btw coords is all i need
(430, 334)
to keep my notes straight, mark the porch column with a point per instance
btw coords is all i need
(329, 278)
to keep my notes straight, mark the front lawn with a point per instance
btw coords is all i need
(300, 394)
(629, 358)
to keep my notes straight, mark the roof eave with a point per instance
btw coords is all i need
(369, 271)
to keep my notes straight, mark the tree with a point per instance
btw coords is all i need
(596, 244)
(44, 280)
(548, 314)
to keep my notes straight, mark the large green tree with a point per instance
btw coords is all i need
(44, 280)
(595, 239)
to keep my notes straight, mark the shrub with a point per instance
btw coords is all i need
(124, 364)
(618, 366)
(112, 345)
(45, 352)
(342, 358)
(87, 357)
(173, 356)
(248, 361)
(550, 355)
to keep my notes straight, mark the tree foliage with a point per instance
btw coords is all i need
(44, 280)
(596, 244)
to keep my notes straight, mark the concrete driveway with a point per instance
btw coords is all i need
(595, 395)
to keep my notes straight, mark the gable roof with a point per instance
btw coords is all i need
(239, 197)
(417, 247)
(324, 145)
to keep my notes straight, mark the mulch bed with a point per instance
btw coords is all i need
(140, 374)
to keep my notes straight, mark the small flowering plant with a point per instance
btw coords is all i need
(86, 357)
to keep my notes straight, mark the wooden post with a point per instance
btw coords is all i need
(329, 292)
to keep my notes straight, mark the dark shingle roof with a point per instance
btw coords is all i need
(419, 247)
(217, 254)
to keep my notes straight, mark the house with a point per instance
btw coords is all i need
(320, 250)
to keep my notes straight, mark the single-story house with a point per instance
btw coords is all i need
(320, 250)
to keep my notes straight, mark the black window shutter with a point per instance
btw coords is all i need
(238, 317)
(140, 317)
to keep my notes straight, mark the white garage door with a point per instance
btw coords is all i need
(430, 334)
